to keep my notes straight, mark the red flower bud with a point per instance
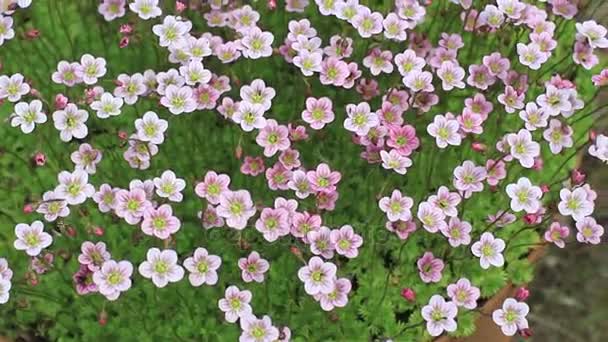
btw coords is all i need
(530, 219)
(295, 251)
(526, 333)
(592, 135)
(35, 92)
(544, 188)
(522, 293)
(238, 152)
(126, 29)
(32, 34)
(102, 319)
(122, 135)
(538, 164)
(70, 231)
(577, 177)
(61, 101)
(408, 294)
(124, 42)
(28, 208)
(272, 5)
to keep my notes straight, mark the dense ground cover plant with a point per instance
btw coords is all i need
(329, 170)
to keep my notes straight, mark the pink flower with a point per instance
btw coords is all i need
(278, 177)
(446, 201)
(346, 241)
(161, 267)
(273, 137)
(394, 27)
(250, 116)
(600, 79)
(558, 136)
(419, 81)
(360, 118)
(367, 23)
(531, 56)
(253, 166)
(397, 207)
(468, 178)
(458, 232)
(202, 267)
(213, 186)
(318, 276)
(13, 87)
(393, 160)
(290, 159)
(496, 171)
(502, 218)
(302, 223)
(390, 114)
(130, 87)
(179, 99)
(31, 238)
(83, 281)
(403, 229)
(497, 65)
(323, 179)
(339, 47)
(131, 205)
(93, 255)
(253, 267)
(68, 73)
(523, 148)
(556, 234)
(511, 99)
(478, 105)
(589, 231)
(480, 77)
(432, 217)
(333, 71)
(439, 316)
(318, 112)
(257, 330)
(464, 294)
(575, 203)
(236, 207)
(534, 116)
(105, 198)
(403, 139)
(112, 9)
(594, 33)
(53, 206)
(210, 218)
(489, 250)
(430, 268)
(113, 278)
(379, 61)
(273, 223)
(470, 122)
(451, 75)
(258, 93)
(321, 243)
(235, 303)
(86, 158)
(74, 187)
(338, 297)
(408, 62)
(160, 222)
(257, 43)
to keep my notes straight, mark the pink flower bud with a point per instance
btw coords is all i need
(124, 42)
(592, 135)
(544, 188)
(522, 293)
(238, 152)
(39, 159)
(102, 319)
(530, 219)
(408, 294)
(578, 177)
(295, 251)
(122, 135)
(478, 147)
(35, 92)
(32, 34)
(126, 29)
(61, 101)
(98, 231)
(538, 164)
(33, 279)
(70, 231)
(28, 208)
(180, 7)
(272, 5)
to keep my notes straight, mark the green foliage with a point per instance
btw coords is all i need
(203, 141)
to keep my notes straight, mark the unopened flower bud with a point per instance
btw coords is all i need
(122, 135)
(522, 293)
(538, 164)
(70, 231)
(32, 34)
(544, 188)
(39, 159)
(272, 5)
(578, 177)
(526, 333)
(126, 29)
(99, 231)
(478, 147)
(530, 219)
(180, 7)
(28, 208)
(124, 42)
(102, 319)
(61, 101)
(408, 294)
(238, 152)
(592, 135)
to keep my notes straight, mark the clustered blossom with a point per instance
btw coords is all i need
(412, 111)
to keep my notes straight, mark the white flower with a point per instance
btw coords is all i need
(360, 118)
(31, 238)
(256, 43)
(146, 9)
(172, 30)
(169, 186)
(6, 29)
(600, 148)
(151, 128)
(595, 34)
(451, 75)
(250, 116)
(178, 100)
(523, 148)
(439, 316)
(53, 206)
(489, 250)
(92, 68)
(86, 158)
(194, 73)
(71, 122)
(554, 101)
(74, 187)
(5, 285)
(308, 62)
(258, 93)
(531, 56)
(512, 316)
(393, 160)
(534, 117)
(161, 267)
(107, 106)
(524, 196)
(558, 136)
(575, 203)
(445, 131)
(28, 115)
(131, 87)
(13, 88)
